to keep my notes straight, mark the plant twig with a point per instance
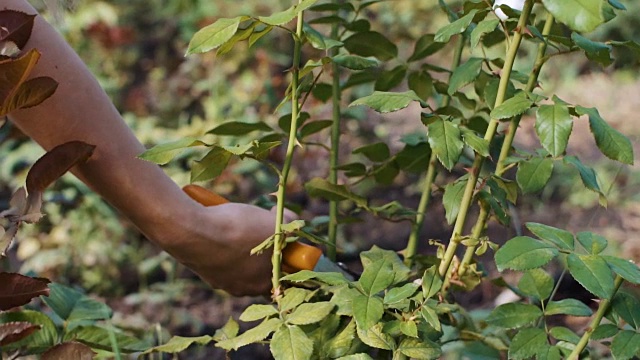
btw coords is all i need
(412, 244)
(602, 309)
(491, 130)
(506, 146)
(276, 258)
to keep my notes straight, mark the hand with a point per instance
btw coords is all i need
(216, 242)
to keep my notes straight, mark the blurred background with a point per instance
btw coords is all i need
(136, 50)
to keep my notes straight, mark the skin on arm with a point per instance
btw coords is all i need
(214, 242)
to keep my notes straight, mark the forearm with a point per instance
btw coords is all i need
(80, 110)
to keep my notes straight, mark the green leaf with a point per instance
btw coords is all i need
(310, 313)
(625, 345)
(178, 344)
(360, 356)
(528, 343)
(593, 273)
(421, 83)
(593, 243)
(258, 312)
(571, 307)
(524, 253)
(627, 307)
(514, 315)
(313, 127)
(329, 278)
(212, 36)
(374, 337)
(536, 283)
(516, 105)
(343, 299)
(431, 282)
(398, 294)
(285, 16)
(376, 277)
(228, 331)
(533, 174)
(318, 187)
(424, 47)
(252, 335)
(384, 102)
(340, 344)
(579, 15)
(371, 43)
(478, 144)
(564, 334)
(163, 153)
(419, 348)
(72, 305)
(211, 165)
(464, 74)
(553, 126)
(39, 341)
(560, 238)
(238, 128)
(292, 298)
(367, 310)
(445, 140)
(595, 51)
(431, 317)
(99, 338)
(588, 177)
(625, 268)
(612, 143)
(317, 40)
(377, 152)
(445, 33)
(484, 26)
(604, 331)
(452, 199)
(354, 62)
(291, 343)
(388, 80)
(400, 270)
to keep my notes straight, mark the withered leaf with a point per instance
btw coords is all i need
(15, 72)
(7, 238)
(69, 351)
(16, 26)
(32, 92)
(55, 163)
(17, 289)
(16, 331)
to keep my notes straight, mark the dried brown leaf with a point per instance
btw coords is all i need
(16, 26)
(17, 289)
(14, 73)
(7, 238)
(55, 163)
(15, 331)
(69, 351)
(32, 92)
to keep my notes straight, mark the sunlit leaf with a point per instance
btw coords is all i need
(593, 273)
(258, 312)
(579, 15)
(374, 337)
(560, 238)
(420, 348)
(163, 153)
(252, 335)
(291, 343)
(593, 243)
(445, 33)
(213, 36)
(514, 315)
(516, 105)
(211, 165)
(524, 253)
(310, 313)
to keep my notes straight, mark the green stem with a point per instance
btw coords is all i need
(276, 259)
(412, 244)
(506, 145)
(491, 130)
(602, 309)
(335, 146)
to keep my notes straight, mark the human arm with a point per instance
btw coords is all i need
(214, 242)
